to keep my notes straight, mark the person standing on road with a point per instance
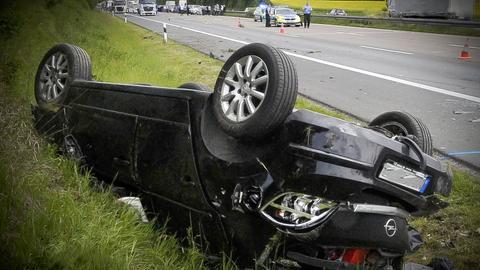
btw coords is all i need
(267, 16)
(307, 12)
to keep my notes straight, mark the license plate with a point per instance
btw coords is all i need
(399, 174)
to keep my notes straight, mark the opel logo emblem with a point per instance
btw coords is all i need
(390, 227)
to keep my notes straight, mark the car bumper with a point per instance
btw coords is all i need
(289, 22)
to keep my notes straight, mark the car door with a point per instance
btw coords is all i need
(164, 159)
(104, 129)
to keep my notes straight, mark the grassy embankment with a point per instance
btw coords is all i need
(50, 217)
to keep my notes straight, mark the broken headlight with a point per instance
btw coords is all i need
(298, 211)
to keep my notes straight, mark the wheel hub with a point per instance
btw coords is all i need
(245, 89)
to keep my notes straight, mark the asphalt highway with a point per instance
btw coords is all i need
(361, 71)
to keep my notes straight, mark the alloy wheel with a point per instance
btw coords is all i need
(54, 77)
(244, 88)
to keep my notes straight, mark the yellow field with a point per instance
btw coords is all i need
(365, 7)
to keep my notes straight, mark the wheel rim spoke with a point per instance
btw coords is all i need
(55, 92)
(240, 110)
(63, 65)
(231, 108)
(49, 92)
(258, 95)
(257, 69)
(62, 75)
(248, 66)
(228, 96)
(244, 88)
(53, 61)
(59, 61)
(59, 85)
(238, 70)
(261, 80)
(250, 106)
(231, 82)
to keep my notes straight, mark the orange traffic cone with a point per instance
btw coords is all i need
(282, 29)
(464, 55)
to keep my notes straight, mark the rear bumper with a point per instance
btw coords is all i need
(358, 226)
(349, 229)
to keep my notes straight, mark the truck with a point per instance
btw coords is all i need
(414, 8)
(147, 7)
(170, 6)
(120, 6)
(132, 6)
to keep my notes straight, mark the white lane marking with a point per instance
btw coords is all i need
(385, 50)
(288, 35)
(471, 47)
(340, 66)
(193, 30)
(350, 33)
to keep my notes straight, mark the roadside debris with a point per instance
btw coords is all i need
(136, 204)
(462, 112)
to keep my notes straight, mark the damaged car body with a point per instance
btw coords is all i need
(281, 188)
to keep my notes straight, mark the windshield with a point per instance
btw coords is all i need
(285, 11)
(143, 2)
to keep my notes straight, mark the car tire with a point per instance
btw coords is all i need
(255, 91)
(404, 124)
(195, 86)
(60, 66)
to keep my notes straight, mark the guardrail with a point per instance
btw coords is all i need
(366, 20)
(419, 21)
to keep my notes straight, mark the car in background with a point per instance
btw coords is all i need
(259, 14)
(285, 16)
(195, 9)
(337, 12)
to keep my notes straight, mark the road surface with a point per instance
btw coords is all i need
(361, 71)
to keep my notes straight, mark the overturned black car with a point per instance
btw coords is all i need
(281, 188)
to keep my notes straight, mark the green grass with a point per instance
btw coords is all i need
(51, 217)
(454, 232)
(303, 103)
(359, 7)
